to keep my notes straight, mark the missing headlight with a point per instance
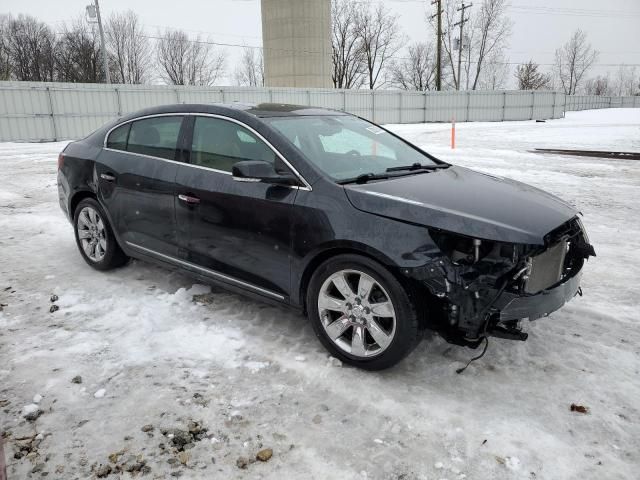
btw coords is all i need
(460, 249)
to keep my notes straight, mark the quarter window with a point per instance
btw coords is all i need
(219, 144)
(118, 138)
(157, 137)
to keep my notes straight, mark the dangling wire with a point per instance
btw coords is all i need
(484, 350)
(485, 337)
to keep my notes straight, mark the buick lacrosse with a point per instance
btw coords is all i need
(374, 239)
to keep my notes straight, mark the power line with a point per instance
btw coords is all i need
(395, 57)
(543, 10)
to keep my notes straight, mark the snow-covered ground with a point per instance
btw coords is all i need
(155, 351)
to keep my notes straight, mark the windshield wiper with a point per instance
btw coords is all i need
(364, 178)
(418, 166)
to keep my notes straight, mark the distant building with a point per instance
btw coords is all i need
(296, 36)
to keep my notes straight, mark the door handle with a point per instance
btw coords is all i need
(109, 177)
(191, 200)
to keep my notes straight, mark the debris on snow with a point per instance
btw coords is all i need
(31, 412)
(264, 455)
(185, 439)
(579, 408)
(37, 398)
(100, 393)
(242, 462)
(76, 379)
(438, 465)
(113, 458)
(184, 457)
(103, 471)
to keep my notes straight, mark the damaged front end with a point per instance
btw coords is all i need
(484, 287)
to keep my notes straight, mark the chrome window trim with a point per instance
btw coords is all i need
(208, 271)
(307, 185)
(166, 160)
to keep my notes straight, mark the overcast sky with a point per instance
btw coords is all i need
(539, 26)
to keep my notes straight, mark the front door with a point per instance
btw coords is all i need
(136, 175)
(239, 232)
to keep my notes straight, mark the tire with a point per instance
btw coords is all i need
(98, 245)
(338, 308)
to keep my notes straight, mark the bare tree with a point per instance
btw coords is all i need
(486, 34)
(530, 78)
(31, 49)
(129, 48)
(599, 85)
(5, 64)
(379, 32)
(188, 62)
(494, 73)
(5, 61)
(346, 52)
(626, 81)
(417, 72)
(250, 72)
(78, 55)
(491, 31)
(573, 60)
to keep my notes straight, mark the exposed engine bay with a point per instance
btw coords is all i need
(486, 287)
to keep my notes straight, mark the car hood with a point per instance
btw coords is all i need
(466, 202)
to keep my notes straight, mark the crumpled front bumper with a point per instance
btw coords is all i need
(515, 307)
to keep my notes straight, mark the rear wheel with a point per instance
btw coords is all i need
(361, 313)
(95, 238)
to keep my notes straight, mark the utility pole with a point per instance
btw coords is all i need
(462, 21)
(438, 14)
(105, 61)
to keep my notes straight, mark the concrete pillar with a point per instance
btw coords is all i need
(296, 36)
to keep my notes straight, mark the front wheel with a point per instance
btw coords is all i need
(361, 313)
(95, 238)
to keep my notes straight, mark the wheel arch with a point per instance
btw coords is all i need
(316, 258)
(77, 198)
(81, 195)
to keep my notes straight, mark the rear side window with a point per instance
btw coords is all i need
(157, 137)
(118, 138)
(219, 144)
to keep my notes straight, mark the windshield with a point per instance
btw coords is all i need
(345, 147)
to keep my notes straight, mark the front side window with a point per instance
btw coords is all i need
(219, 144)
(344, 147)
(156, 136)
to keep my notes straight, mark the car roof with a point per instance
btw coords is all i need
(262, 110)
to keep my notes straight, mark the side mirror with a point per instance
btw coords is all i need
(260, 171)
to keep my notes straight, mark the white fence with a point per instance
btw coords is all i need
(590, 102)
(36, 112)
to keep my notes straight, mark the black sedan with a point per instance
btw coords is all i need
(373, 238)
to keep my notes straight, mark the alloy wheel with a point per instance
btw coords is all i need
(92, 234)
(357, 313)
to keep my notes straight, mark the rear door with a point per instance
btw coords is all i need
(136, 173)
(238, 232)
